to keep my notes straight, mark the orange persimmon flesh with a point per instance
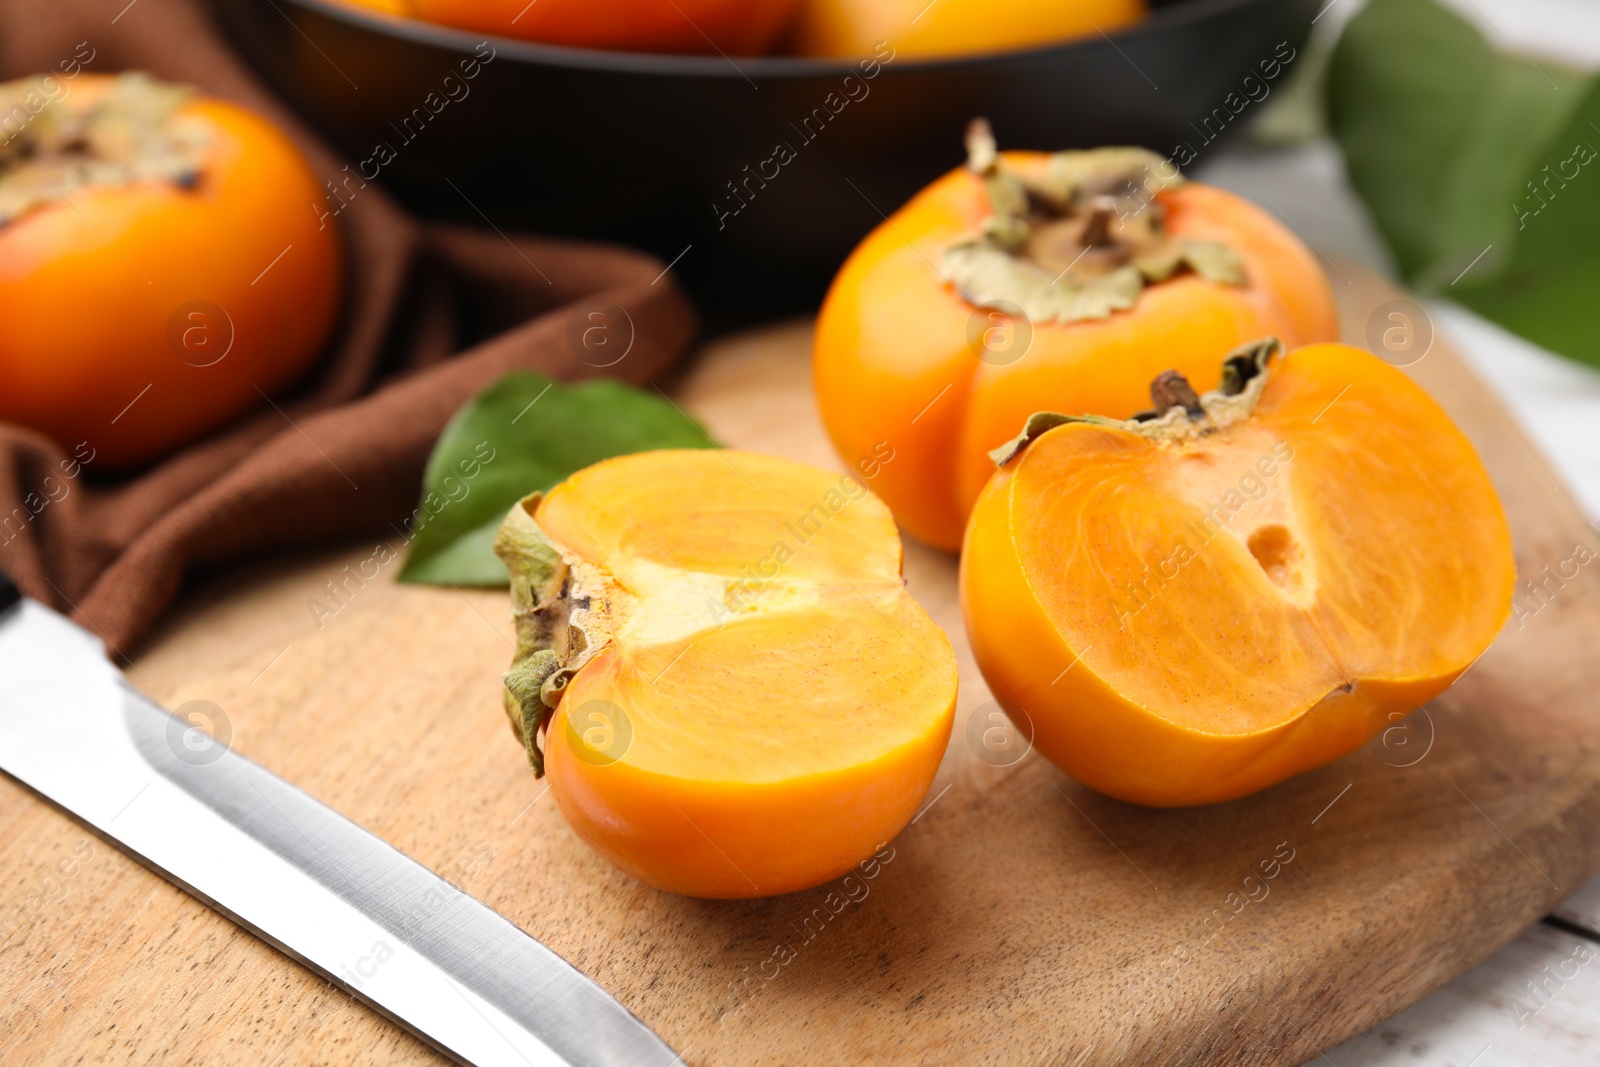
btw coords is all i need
(787, 701)
(1187, 621)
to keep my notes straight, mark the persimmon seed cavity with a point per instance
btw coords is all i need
(1274, 548)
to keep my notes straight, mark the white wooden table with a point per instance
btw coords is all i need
(1536, 1001)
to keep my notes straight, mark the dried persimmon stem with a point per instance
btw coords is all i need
(1172, 390)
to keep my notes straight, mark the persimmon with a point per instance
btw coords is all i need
(848, 28)
(1024, 282)
(737, 695)
(162, 265)
(733, 27)
(1190, 607)
(401, 8)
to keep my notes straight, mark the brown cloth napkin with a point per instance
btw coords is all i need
(344, 455)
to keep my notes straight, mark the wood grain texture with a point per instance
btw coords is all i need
(1021, 918)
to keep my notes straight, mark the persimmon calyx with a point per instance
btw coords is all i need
(1081, 240)
(1179, 414)
(131, 133)
(562, 610)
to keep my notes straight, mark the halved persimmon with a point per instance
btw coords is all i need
(163, 264)
(1028, 282)
(1192, 607)
(738, 696)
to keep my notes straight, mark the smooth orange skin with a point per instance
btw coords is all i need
(1146, 755)
(88, 291)
(892, 360)
(767, 841)
(735, 27)
(401, 8)
(848, 28)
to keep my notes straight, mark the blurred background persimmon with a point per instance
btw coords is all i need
(847, 28)
(388, 7)
(163, 266)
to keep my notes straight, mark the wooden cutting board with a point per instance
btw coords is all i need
(1019, 919)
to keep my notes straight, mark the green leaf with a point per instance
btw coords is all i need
(523, 434)
(1548, 288)
(1441, 137)
(1405, 87)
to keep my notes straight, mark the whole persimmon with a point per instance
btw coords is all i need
(401, 8)
(1026, 282)
(737, 697)
(917, 28)
(733, 27)
(1194, 605)
(163, 265)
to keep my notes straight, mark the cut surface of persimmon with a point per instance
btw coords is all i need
(739, 696)
(1028, 282)
(1195, 606)
(163, 265)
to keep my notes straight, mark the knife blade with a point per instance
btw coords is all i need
(288, 868)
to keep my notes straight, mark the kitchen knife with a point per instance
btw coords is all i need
(291, 870)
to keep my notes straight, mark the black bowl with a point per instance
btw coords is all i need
(760, 173)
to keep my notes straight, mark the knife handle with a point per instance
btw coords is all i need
(9, 593)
